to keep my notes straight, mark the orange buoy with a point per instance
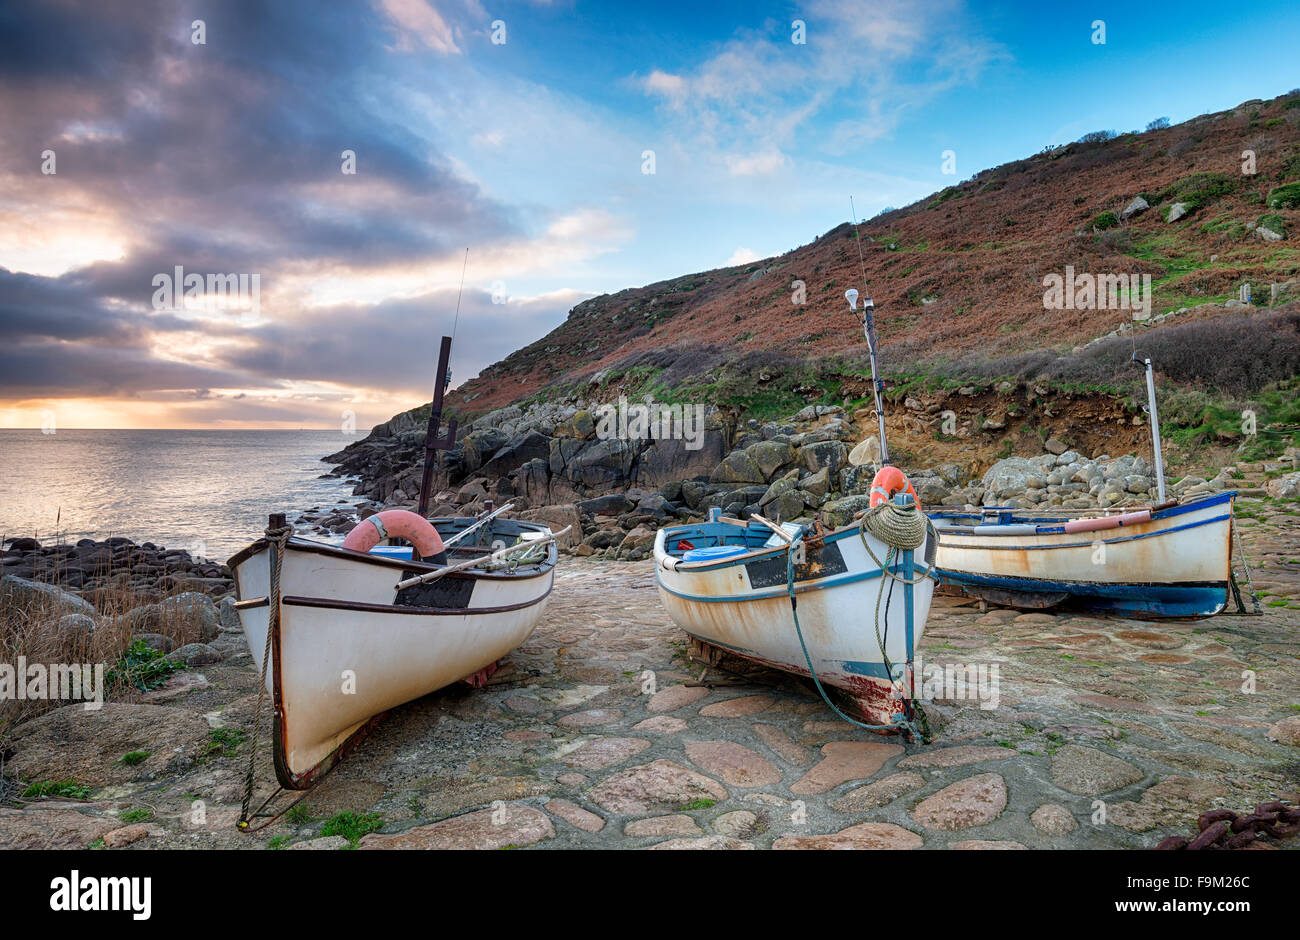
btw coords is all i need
(888, 482)
(395, 523)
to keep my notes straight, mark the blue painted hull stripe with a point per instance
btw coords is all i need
(1190, 599)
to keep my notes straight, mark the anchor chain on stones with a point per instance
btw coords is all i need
(1225, 829)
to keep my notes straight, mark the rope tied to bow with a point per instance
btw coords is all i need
(902, 529)
(278, 539)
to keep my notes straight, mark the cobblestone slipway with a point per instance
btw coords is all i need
(1109, 733)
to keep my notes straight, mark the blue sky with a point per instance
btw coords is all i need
(224, 156)
(993, 82)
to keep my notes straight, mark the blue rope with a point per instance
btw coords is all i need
(794, 609)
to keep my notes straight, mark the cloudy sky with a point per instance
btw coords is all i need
(573, 148)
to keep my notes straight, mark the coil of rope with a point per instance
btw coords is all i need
(901, 528)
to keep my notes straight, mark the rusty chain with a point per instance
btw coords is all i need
(1225, 829)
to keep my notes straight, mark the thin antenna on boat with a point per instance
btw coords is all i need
(432, 441)
(869, 329)
(464, 265)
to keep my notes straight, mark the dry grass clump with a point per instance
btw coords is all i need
(45, 631)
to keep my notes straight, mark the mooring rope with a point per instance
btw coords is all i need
(901, 531)
(903, 528)
(1245, 568)
(278, 539)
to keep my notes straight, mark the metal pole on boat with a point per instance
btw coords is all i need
(432, 443)
(869, 329)
(1155, 433)
(877, 386)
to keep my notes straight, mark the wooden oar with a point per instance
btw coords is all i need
(785, 536)
(474, 562)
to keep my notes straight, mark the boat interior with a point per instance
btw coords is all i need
(495, 534)
(724, 538)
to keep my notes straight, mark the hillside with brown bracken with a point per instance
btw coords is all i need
(960, 273)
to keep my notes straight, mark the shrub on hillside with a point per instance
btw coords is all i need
(1105, 220)
(1273, 222)
(1231, 354)
(1198, 190)
(1284, 197)
(1158, 124)
(1096, 137)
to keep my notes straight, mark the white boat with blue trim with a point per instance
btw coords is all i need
(1170, 560)
(737, 587)
(1173, 560)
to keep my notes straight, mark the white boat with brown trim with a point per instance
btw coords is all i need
(351, 635)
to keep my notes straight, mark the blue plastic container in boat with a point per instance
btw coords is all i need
(714, 553)
(400, 552)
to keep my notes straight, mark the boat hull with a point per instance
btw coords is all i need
(1176, 563)
(743, 606)
(348, 649)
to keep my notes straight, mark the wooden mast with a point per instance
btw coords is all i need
(432, 443)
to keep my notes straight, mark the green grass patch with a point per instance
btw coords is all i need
(1273, 222)
(139, 814)
(224, 742)
(1286, 196)
(695, 804)
(67, 788)
(135, 757)
(141, 666)
(351, 826)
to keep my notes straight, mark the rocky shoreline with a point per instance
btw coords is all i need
(148, 570)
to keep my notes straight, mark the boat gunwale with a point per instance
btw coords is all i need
(1034, 517)
(320, 548)
(756, 554)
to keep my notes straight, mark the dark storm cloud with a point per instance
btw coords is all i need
(43, 369)
(395, 344)
(224, 158)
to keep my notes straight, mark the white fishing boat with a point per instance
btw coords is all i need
(1171, 559)
(405, 606)
(1168, 561)
(821, 607)
(356, 633)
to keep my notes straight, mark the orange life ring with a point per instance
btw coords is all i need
(888, 482)
(395, 523)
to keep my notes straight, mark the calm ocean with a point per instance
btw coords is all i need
(206, 491)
